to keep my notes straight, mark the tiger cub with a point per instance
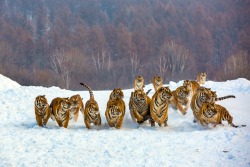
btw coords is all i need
(214, 114)
(201, 78)
(77, 105)
(139, 83)
(181, 99)
(139, 106)
(204, 95)
(115, 110)
(42, 110)
(61, 111)
(157, 82)
(159, 106)
(91, 112)
(191, 85)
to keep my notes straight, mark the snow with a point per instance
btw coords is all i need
(183, 142)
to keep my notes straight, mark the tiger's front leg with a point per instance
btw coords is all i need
(166, 122)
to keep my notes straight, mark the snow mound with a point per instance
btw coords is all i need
(6, 83)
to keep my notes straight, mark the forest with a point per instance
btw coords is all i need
(106, 43)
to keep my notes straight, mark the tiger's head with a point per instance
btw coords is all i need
(183, 92)
(139, 95)
(188, 84)
(157, 81)
(66, 104)
(206, 95)
(41, 102)
(208, 110)
(93, 110)
(116, 94)
(202, 77)
(115, 112)
(139, 83)
(165, 93)
(75, 100)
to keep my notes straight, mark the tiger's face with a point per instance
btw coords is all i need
(183, 92)
(165, 93)
(209, 111)
(41, 102)
(139, 79)
(203, 76)
(93, 111)
(157, 80)
(115, 112)
(139, 95)
(75, 100)
(116, 94)
(66, 104)
(188, 84)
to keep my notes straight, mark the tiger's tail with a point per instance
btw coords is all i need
(89, 89)
(148, 91)
(224, 97)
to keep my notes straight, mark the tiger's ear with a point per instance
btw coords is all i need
(43, 95)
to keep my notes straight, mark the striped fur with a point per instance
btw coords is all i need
(139, 83)
(159, 106)
(77, 105)
(157, 82)
(181, 99)
(139, 106)
(42, 110)
(201, 78)
(191, 85)
(91, 112)
(61, 111)
(115, 110)
(211, 113)
(204, 95)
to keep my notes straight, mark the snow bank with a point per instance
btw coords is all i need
(183, 142)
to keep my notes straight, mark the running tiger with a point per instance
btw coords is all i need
(157, 82)
(91, 112)
(181, 99)
(201, 78)
(139, 106)
(211, 113)
(42, 110)
(204, 95)
(61, 111)
(159, 106)
(115, 110)
(191, 85)
(139, 83)
(77, 105)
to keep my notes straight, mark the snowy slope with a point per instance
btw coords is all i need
(23, 143)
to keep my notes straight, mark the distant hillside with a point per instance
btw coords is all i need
(106, 43)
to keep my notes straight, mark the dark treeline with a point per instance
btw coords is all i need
(106, 43)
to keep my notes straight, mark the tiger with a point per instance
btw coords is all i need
(42, 110)
(116, 94)
(159, 106)
(115, 110)
(139, 106)
(191, 85)
(211, 113)
(204, 95)
(60, 108)
(181, 99)
(157, 82)
(91, 112)
(77, 105)
(201, 78)
(139, 83)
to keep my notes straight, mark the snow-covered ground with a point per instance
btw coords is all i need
(182, 143)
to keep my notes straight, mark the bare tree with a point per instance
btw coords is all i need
(174, 60)
(135, 64)
(102, 60)
(61, 65)
(238, 65)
